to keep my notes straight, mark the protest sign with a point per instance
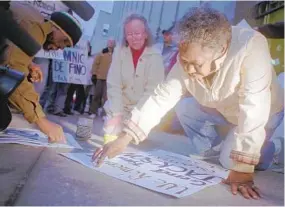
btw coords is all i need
(158, 170)
(34, 137)
(51, 54)
(60, 72)
(73, 69)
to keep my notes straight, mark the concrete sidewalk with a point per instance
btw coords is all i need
(39, 176)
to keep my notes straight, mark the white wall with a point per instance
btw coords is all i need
(89, 26)
(99, 41)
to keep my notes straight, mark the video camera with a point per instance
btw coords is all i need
(10, 79)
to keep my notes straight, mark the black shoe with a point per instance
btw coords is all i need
(50, 111)
(60, 114)
(68, 112)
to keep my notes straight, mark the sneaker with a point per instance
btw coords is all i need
(92, 116)
(76, 113)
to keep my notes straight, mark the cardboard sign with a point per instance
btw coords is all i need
(74, 68)
(158, 170)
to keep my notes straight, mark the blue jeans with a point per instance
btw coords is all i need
(48, 97)
(55, 96)
(199, 124)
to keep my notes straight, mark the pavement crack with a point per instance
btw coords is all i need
(19, 187)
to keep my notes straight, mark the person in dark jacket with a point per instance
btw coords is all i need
(272, 31)
(100, 70)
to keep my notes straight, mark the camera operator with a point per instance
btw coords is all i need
(62, 30)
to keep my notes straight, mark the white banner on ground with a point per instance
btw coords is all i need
(158, 170)
(34, 137)
(74, 68)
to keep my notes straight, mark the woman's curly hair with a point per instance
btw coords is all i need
(205, 26)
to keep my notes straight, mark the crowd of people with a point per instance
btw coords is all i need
(215, 74)
(95, 95)
(58, 98)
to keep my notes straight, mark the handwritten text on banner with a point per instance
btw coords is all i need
(73, 69)
(158, 170)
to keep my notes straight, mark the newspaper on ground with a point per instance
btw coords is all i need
(33, 137)
(158, 170)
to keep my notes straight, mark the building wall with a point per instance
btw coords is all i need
(161, 14)
(226, 7)
(249, 11)
(99, 39)
(245, 10)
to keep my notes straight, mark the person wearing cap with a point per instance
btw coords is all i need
(100, 69)
(168, 49)
(62, 30)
